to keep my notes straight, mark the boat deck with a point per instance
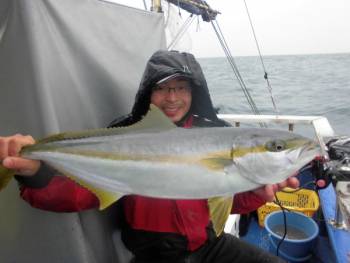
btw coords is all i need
(322, 251)
(331, 245)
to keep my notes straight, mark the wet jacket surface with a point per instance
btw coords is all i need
(152, 227)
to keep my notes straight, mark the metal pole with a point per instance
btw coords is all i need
(157, 6)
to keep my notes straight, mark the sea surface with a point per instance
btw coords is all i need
(309, 85)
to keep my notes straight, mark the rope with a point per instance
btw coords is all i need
(227, 52)
(144, 4)
(261, 60)
(234, 67)
(181, 32)
(178, 7)
(285, 225)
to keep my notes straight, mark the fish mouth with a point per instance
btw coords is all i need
(273, 167)
(305, 154)
(310, 149)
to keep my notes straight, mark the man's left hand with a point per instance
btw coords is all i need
(267, 192)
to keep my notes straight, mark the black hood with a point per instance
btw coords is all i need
(165, 63)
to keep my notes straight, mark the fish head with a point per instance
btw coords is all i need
(271, 156)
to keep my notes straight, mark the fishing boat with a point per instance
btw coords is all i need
(69, 65)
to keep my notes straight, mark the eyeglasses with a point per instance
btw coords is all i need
(163, 90)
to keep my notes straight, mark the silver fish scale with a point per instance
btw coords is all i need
(138, 169)
(177, 141)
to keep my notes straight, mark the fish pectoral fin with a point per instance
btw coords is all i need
(5, 176)
(105, 198)
(216, 163)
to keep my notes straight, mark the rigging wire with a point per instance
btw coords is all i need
(234, 67)
(228, 54)
(230, 59)
(167, 16)
(261, 60)
(181, 32)
(238, 73)
(144, 4)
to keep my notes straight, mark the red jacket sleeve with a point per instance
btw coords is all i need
(246, 202)
(61, 194)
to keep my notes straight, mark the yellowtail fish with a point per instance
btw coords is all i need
(155, 158)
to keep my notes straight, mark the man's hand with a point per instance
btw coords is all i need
(267, 192)
(9, 154)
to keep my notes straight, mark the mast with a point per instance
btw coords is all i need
(157, 6)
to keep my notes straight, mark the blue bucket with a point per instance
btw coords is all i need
(291, 249)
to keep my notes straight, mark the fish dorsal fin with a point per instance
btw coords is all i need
(154, 120)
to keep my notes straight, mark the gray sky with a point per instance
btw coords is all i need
(281, 27)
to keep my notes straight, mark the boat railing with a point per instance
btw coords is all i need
(320, 124)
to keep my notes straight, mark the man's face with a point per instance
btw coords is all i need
(173, 97)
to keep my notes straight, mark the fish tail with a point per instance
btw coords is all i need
(5, 176)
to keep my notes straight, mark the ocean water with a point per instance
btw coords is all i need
(301, 85)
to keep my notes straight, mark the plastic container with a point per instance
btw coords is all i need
(291, 249)
(304, 201)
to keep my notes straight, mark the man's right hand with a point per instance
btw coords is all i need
(10, 148)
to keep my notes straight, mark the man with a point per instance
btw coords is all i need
(155, 230)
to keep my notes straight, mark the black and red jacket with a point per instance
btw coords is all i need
(152, 227)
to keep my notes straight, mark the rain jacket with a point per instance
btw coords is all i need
(151, 227)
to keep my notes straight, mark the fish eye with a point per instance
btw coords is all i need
(275, 146)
